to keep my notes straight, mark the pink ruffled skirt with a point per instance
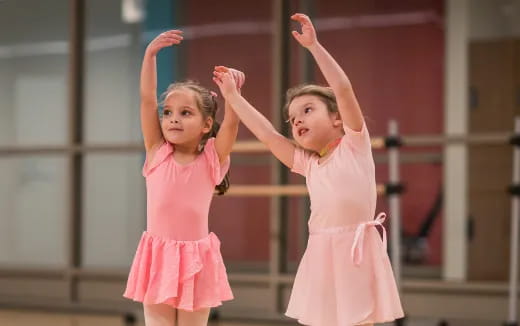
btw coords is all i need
(187, 275)
(345, 278)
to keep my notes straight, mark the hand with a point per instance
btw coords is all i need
(165, 39)
(238, 76)
(308, 36)
(225, 80)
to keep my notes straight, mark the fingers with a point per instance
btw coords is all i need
(220, 76)
(165, 43)
(301, 18)
(222, 72)
(173, 37)
(297, 36)
(241, 79)
(236, 76)
(222, 69)
(217, 81)
(172, 32)
(169, 41)
(175, 34)
(163, 40)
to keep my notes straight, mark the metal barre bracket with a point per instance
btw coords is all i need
(394, 188)
(514, 190)
(393, 141)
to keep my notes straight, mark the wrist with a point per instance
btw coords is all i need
(232, 94)
(149, 53)
(314, 47)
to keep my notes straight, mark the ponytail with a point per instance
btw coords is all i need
(224, 185)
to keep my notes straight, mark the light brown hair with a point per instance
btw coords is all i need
(325, 94)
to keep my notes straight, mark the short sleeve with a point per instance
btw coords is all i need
(301, 161)
(161, 154)
(358, 140)
(217, 170)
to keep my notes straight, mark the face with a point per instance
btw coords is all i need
(313, 126)
(182, 122)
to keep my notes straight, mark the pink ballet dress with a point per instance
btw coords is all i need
(177, 261)
(345, 276)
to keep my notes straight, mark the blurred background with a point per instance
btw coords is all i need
(72, 198)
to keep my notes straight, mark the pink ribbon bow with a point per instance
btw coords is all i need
(357, 246)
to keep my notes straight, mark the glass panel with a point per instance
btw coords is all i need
(33, 211)
(114, 209)
(33, 72)
(112, 70)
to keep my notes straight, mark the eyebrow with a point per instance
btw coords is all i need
(182, 107)
(303, 106)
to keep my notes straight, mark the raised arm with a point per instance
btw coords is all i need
(348, 105)
(262, 128)
(227, 134)
(150, 124)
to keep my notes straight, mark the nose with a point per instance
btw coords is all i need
(174, 119)
(298, 121)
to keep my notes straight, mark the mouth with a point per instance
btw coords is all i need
(174, 129)
(302, 131)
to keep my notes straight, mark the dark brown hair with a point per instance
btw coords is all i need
(207, 105)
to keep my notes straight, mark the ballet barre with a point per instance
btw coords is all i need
(241, 190)
(514, 191)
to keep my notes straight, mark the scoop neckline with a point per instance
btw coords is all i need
(328, 157)
(185, 164)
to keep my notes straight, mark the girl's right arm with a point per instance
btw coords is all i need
(262, 128)
(150, 124)
(348, 106)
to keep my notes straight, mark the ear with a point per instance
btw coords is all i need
(337, 120)
(208, 124)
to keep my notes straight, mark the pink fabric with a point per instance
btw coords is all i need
(177, 262)
(345, 276)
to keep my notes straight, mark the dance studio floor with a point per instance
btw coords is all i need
(30, 318)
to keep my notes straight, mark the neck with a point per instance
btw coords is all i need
(329, 146)
(188, 148)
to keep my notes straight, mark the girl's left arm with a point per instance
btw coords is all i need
(229, 128)
(348, 105)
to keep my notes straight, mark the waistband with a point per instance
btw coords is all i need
(359, 236)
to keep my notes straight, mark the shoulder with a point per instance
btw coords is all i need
(155, 156)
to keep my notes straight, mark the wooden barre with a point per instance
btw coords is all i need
(266, 190)
(277, 190)
(243, 146)
(254, 146)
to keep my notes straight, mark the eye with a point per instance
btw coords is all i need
(290, 120)
(185, 113)
(307, 109)
(167, 113)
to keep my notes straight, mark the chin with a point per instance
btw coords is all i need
(172, 140)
